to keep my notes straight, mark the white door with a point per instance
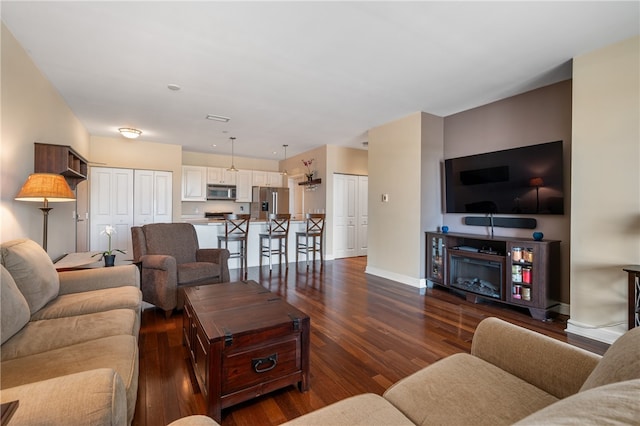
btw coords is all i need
(153, 197)
(163, 197)
(111, 195)
(345, 204)
(363, 215)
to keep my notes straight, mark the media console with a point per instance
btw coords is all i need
(517, 271)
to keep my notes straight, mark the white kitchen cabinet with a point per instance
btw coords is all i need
(221, 176)
(263, 178)
(243, 186)
(152, 196)
(194, 183)
(111, 204)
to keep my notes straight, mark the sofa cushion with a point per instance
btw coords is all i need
(468, 391)
(195, 271)
(620, 362)
(362, 410)
(45, 335)
(613, 404)
(117, 352)
(68, 305)
(32, 270)
(95, 397)
(14, 309)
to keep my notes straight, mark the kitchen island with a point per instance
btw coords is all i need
(209, 229)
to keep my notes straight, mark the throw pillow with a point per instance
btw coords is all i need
(616, 403)
(32, 270)
(14, 309)
(620, 362)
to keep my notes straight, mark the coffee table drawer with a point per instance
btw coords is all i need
(246, 367)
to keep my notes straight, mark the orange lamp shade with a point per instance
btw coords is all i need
(45, 187)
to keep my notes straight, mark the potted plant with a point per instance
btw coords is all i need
(109, 255)
(309, 173)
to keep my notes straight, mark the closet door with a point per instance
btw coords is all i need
(111, 195)
(153, 201)
(345, 215)
(363, 215)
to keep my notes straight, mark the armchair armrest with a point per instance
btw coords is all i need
(98, 278)
(159, 280)
(553, 366)
(218, 256)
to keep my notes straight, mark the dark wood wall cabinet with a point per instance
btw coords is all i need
(61, 159)
(516, 271)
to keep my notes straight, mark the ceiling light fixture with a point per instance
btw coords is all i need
(173, 87)
(284, 172)
(232, 168)
(129, 133)
(218, 118)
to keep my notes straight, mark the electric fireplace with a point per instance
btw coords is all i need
(476, 273)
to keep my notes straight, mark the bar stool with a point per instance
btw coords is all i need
(277, 229)
(236, 229)
(310, 240)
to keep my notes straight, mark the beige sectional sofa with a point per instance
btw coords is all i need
(69, 350)
(512, 376)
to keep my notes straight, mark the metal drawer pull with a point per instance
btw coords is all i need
(257, 362)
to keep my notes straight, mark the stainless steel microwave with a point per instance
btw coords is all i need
(221, 192)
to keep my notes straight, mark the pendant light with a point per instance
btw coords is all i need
(284, 172)
(232, 168)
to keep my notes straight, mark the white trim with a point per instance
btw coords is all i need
(591, 332)
(404, 279)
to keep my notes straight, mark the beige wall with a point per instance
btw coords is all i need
(32, 110)
(605, 226)
(395, 168)
(431, 184)
(538, 116)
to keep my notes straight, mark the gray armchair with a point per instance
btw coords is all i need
(169, 258)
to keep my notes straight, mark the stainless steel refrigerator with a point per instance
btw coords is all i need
(267, 200)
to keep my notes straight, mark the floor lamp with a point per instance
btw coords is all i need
(45, 188)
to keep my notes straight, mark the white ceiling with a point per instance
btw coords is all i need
(304, 74)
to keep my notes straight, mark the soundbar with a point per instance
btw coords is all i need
(502, 222)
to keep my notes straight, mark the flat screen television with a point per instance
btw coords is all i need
(525, 180)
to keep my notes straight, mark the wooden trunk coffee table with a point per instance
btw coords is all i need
(243, 341)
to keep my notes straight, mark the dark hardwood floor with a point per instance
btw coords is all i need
(366, 333)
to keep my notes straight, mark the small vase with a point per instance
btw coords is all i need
(309, 177)
(109, 260)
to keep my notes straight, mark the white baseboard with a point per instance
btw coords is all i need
(591, 332)
(404, 279)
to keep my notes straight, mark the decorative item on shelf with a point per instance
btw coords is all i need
(538, 236)
(445, 229)
(309, 172)
(109, 255)
(311, 183)
(45, 187)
